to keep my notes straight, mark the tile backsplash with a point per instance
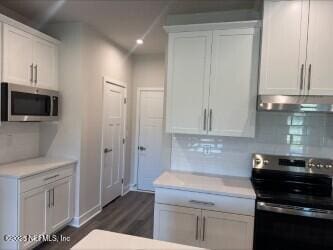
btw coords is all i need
(276, 133)
(18, 141)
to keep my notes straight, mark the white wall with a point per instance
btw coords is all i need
(100, 58)
(85, 58)
(148, 72)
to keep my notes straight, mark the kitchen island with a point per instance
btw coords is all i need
(100, 239)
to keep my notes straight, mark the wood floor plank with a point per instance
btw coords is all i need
(131, 214)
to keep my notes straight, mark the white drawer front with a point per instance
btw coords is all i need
(206, 201)
(44, 178)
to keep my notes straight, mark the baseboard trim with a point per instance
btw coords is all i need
(143, 191)
(127, 189)
(87, 216)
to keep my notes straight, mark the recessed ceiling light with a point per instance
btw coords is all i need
(139, 41)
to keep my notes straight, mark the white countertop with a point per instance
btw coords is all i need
(99, 239)
(222, 185)
(21, 169)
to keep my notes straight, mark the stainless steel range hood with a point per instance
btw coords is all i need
(295, 103)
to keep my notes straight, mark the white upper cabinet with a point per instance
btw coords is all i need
(189, 56)
(297, 49)
(320, 51)
(233, 84)
(212, 79)
(28, 59)
(283, 47)
(17, 56)
(46, 64)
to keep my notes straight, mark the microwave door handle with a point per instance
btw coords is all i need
(295, 210)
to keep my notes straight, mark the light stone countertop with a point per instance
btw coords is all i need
(99, 239)
(221, 185)
(25, 168)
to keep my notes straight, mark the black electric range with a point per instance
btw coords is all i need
(294, 206)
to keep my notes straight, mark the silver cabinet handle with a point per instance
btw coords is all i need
(36, 73)
(203, 228)
(309, 76)
(210, 119)
(49, 199)
(302, 77)
(51, 177)
(32, 73)
(204, 120)
(107, 150)
(197, 229)
(206, 203)
(52, 197)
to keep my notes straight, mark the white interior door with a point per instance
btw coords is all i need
(150, 138)
(113, 145)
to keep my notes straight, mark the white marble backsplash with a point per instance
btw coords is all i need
(276, 133)
(18, 141)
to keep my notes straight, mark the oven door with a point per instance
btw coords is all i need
(284, 227)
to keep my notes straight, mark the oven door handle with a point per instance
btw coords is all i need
(295, 210)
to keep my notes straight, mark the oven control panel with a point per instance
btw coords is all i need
(293, 164)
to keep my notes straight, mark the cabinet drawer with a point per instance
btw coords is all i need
(44, 178)
(206, 201)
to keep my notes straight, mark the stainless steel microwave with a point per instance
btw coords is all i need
(23, 103)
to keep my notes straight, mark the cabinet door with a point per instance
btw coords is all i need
(189, 57)
(320, 53)
(283, 47)
(17, 56)
(233, 84)
(45, 57)
(33, 213)
(61, 200)
(226, 231)
(177, 224)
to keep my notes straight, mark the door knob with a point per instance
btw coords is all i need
(107, 150)
(141, 148)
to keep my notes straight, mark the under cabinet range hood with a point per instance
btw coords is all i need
(322, 104)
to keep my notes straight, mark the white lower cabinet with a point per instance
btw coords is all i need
(177, 224)
(41, 205)
(61, 207)
(33, 210)
(226, 231)
(204, 220)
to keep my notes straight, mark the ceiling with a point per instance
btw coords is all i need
(123, 21)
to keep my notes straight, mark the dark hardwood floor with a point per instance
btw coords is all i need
(131, 214)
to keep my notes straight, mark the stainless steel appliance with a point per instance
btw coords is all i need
(295, 103)
(24, 103)
(294, 206)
